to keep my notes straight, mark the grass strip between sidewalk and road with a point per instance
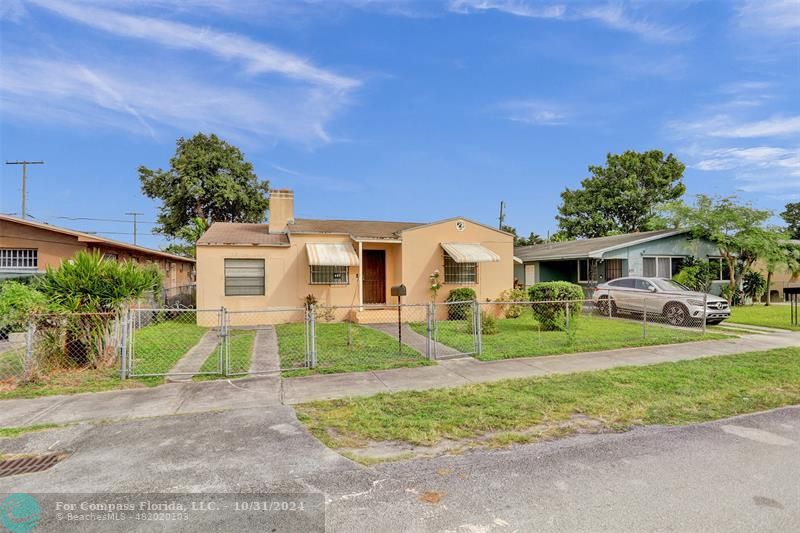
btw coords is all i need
(526, 410)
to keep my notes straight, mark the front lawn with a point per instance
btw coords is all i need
(522, 337)
(772, 316)
(343, 347)
(524, 410)
(12, 363)
(158, 347)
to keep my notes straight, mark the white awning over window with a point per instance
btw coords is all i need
(463, 252)
(331, 255)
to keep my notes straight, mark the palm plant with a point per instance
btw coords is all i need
(93, 289)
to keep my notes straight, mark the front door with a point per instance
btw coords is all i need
(374, 272)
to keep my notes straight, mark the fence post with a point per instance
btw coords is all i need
(608, 302)
(429, 346)
(705, 310)
(566, 308)
(29, 334)
(123, 349)
(223, 363)
(312, 352)
(478, 328)
(644, 318)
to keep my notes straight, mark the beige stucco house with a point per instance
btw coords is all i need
(346, 262)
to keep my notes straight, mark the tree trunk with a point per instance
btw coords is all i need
(769, 284)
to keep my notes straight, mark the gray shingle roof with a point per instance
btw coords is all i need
(587, 247)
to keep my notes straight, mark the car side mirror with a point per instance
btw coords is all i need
(653, 289)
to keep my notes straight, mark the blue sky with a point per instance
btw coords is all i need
(396, 110)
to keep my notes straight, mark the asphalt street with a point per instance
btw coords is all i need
(740, 474)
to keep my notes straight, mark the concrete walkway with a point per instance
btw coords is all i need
(265, 351)
(190, 363)
(415, 341)
(188, 397)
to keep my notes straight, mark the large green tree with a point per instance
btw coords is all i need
(792, 217)
(737, 229)
(622, 197)
(208, 179)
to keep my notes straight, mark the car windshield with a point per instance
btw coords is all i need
(669, 285)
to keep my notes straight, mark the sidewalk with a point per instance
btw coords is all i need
(221, 395)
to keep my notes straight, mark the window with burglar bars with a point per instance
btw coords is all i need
(459, 273)
(329, 275)
(16, 258)
(245, 277)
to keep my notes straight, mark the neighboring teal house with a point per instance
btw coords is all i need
(591, 261)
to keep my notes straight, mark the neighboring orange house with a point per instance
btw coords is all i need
(346, 262)
(28, 247)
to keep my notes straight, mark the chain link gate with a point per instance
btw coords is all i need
(455, 329)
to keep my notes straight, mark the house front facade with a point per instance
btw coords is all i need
(588, 262)
(28, 248)
(344, 263)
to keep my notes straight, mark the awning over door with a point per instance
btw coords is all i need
(331, 255)
(463, 252)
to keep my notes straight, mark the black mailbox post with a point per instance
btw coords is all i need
(399, 291)
(793, 291)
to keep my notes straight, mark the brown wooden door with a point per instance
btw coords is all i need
(374, 272)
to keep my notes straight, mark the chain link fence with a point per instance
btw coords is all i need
(202, 344)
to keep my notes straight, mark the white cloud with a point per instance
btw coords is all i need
(614, 16)
(257, 57)
(534, 112)
(763, 157)
(770, 17)
(55, 90)
(727, 126)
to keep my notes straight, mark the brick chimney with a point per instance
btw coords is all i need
(281, 209)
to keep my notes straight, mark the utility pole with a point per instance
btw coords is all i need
(134, 215)
(502, 215)
(24, 179)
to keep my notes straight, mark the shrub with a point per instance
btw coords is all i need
(488, 323)
(754, 285)
(517, 294)
(698, 276)
(459, 312)
(549, 310)
(17, 302)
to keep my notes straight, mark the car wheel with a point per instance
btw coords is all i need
(603, 306)
(676, 314)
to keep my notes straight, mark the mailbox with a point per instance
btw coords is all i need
(399, 290)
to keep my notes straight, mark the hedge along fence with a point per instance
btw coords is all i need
(460, 312)
(549, 310)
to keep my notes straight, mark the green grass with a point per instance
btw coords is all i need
(74, 381)
(241, 352)
(343, 347)
(9, 433)
(11, 363)
(521, 337)
(773, 316)
(523, 410)
(159, 346)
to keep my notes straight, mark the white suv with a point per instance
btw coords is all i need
(678, 305)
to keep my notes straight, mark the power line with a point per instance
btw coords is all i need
(127, 221)
(134, 214)
(24, 179)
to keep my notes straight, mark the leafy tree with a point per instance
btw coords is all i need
(533, 238)
(698, 275)
(208, 179)
(189, 235)
(17, 302)
(622, 197)
(737, 230)
(792, 217)
(754, 285)
(785, 256)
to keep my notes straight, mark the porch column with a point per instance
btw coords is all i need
(360, 276)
